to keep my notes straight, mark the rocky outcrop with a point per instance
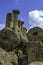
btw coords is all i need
(34, 51)
(8, 39)
(35, 45)
(36, 63)
(35, 34)
(8, 58)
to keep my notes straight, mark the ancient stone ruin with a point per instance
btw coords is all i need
(35, 45)
(17, 46)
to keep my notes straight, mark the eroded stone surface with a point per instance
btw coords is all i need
(6, 58)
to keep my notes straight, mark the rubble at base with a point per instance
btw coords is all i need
(6, 58)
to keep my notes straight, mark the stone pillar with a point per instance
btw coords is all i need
(15, 18)
(20, 24)
(25, 30)
(8, 20)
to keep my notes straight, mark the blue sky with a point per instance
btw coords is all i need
(25, 6)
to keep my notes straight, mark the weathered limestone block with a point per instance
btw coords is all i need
(35, 34)
(34, 51)
(8, 39)
(36, 63)
(6, 58)
(7, 64)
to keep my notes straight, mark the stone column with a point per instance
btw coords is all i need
(20, 24)
(8, 20)
(24, 30)
(15, 18)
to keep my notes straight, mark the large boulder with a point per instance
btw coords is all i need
(8, 39)
(35, 34)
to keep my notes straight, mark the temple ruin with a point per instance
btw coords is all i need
(16, 25)
(29, 43)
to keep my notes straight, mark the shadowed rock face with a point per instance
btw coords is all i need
(8, 39)
(35, 34)
(34, 51)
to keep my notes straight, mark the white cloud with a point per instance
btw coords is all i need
(2, 26)
(36, 18)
